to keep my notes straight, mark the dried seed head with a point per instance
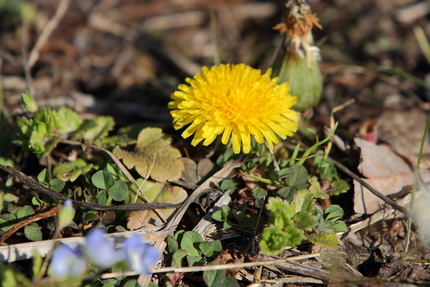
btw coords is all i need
(299, 19)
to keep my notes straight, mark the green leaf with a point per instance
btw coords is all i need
(222, 216)
(303, 201)
(211, 249)
(326, 239)
(239, 215)
(68, 120)
(37, 263)
(117, 140)
(102, 179)
(282, 231)
(217, 215)
(230, 281)
(28, 102)
(57, 184)
(225, 210)
(305, 220)
(11, 278)
(177, 257)
(179, 235)
(39, 134)
(102, 197)
(296, 176)
(71, 170)
(273, 240)
(214, 277)
(334, 212)
(195, 260)
(280, 208)
(109, 282)
(190, 242)
(25, 211)
(340, 226)
(7, 221)
(131, 283)
(259, 192)
(172, 244)
(90, 216)
(33, 233)
(100, 128)
(286, 192)
(227, 224)
(119, 191)
(120, 268)
(153, 156)
(339, 186)
(43, 176)
(326, 169)
(228, 184)
(9, 197)
(36, 201)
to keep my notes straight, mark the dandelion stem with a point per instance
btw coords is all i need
(275, 163)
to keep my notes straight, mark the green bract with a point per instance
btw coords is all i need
(303, 76)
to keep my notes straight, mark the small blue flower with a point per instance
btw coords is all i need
(101, 252)
(140, 256)
(67, 262)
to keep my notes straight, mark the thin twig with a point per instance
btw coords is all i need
(50, 213)
(47, 31)
(24, 46)
(275, 162)
(82, 204)
(215, 267)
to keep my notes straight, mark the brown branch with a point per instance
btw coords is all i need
(50, 213)
(88, 205)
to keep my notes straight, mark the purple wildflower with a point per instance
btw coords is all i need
(140, 257)
(67, 262)
(101, 252)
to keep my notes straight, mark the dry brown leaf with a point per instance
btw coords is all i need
(385, 171)
(155, 192)
(404, 130)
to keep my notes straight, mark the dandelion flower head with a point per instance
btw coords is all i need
(234, 101)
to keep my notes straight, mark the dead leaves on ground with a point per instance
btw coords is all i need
(153, 156)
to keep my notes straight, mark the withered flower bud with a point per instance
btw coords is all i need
(297, 59)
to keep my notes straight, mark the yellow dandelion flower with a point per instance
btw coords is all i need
(236, 101)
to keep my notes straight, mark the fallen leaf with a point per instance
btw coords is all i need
(153, 156)
(404, 130)
(385, 171)
(189, 174)
(159, 192)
